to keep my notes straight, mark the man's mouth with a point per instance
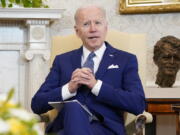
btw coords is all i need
(93, 37)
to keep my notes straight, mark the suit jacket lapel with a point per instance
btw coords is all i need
(107, 59)
(76, 58)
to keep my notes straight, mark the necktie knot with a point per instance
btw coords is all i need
(89, 63)
(91, 55)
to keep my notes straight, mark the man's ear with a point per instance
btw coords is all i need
(76, 30)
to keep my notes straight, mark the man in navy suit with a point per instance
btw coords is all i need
(107, 86)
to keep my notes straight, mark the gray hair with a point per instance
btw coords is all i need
(89, 6)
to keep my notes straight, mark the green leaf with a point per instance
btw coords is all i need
(10, 5)
(3, 3)
(46, 6)
(36, 3)
(11, 1)
(27, 3)
(10, 94)
(17, 1)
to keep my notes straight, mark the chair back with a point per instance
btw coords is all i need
(133, 43)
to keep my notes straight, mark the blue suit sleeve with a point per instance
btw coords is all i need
(50, 90)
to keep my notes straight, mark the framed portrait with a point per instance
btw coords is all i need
(149, 6)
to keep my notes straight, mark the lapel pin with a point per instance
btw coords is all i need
(111, 55)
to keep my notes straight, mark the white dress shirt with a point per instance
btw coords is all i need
(97, 59)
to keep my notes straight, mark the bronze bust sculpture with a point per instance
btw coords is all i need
(167, 58)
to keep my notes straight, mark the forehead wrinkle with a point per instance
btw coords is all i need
(85, 10)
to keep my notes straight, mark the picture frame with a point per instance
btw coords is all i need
(148, 6)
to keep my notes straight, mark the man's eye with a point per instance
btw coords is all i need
(85, 24)
(98, 22)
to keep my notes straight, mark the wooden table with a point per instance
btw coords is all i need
(166, 106)
(176, 108)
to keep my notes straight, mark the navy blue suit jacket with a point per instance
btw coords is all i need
(121, 89)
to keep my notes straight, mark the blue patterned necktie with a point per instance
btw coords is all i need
(89, 63)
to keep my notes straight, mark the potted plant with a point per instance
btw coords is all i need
(23, 3)
(14, 120)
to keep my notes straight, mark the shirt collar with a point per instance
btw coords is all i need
(99, 52)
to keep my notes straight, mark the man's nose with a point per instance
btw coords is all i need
(93, 28)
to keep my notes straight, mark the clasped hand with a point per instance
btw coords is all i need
(83, 76)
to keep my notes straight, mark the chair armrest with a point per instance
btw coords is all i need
(141, 120)
(135, 124)
(44, 117)
(49, 116)
(148, 117)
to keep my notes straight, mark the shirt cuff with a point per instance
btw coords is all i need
(95, 90)
(65, 92)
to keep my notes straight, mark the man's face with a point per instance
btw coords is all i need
(91, 27)
(169, 61)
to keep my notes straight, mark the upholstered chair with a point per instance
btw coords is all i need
(133, 43)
